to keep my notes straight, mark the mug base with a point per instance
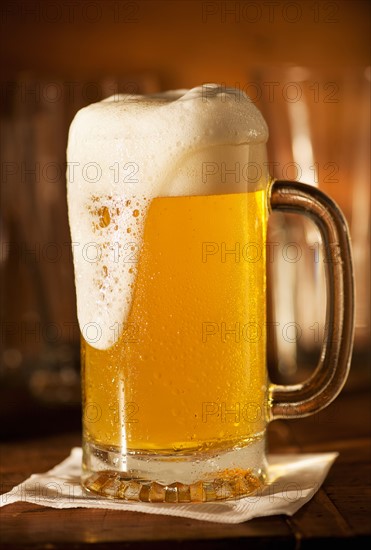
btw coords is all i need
(147, 477)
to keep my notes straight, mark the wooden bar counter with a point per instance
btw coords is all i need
(340, 511)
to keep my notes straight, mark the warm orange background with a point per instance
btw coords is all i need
(147, 45)
(186, 42)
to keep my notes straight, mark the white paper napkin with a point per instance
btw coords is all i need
(294, 479)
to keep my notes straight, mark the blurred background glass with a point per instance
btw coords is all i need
(306, 65)
(319, 121)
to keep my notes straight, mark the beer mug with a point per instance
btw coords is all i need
(169, 197)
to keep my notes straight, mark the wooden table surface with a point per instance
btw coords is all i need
(340, 511)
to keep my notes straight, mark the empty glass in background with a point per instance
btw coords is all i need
(319, 133)
(39, 359)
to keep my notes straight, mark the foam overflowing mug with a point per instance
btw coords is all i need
(168, 199)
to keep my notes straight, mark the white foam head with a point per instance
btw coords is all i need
(127, 150)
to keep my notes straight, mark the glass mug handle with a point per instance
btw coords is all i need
(329, 377)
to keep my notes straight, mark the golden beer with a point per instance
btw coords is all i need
(188, 372)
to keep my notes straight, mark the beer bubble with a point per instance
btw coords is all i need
(136, 213)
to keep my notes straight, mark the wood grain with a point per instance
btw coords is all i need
(339, 512)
